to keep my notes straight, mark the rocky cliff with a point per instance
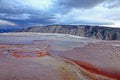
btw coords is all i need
(97, 32)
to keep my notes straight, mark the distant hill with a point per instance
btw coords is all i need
(96, 32)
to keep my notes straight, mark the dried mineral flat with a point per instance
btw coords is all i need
(44, 56)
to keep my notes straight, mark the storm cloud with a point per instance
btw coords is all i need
(79, 3)
(26, 13)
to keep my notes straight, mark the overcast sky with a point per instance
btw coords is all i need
(24, 13)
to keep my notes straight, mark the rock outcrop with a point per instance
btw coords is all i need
(96, 32)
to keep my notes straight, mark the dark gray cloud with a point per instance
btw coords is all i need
(10, 6)
(79, 3)
(24, 15)
(87, 4)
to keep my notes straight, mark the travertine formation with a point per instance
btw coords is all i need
(58, 59)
